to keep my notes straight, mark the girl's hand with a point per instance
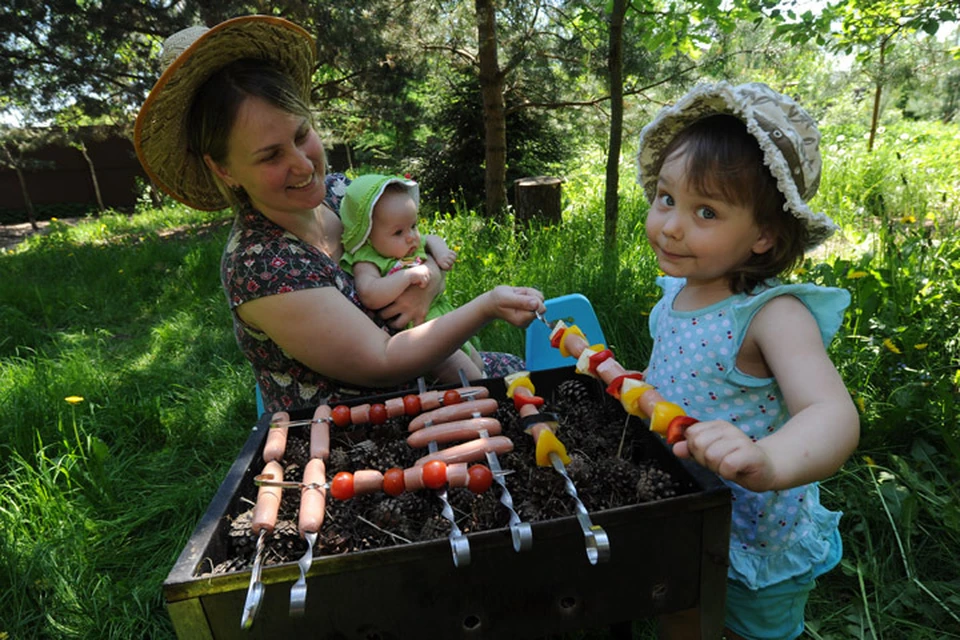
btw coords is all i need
(419, 276)
(445, 258)
(516, 305)
(724, 449)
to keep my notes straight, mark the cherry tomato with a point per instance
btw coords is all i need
(393, 481)
(342, 486)
(451, 397)
(435, 474)
(480, 478)
(341, 415)
(411, 404)
(378, 414)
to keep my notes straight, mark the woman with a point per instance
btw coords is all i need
(228, 124)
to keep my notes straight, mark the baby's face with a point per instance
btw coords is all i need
(394, 233)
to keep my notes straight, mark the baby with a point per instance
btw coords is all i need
(384, 252)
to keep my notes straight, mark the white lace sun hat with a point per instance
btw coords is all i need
(788, 138)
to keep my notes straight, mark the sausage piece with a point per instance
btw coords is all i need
(367, 481)
(470, 451)
(360, 414)
(609, 370)
(457, 474)
(313, 500)
(320, 433)
(413, 479)
(467, 409)
(276, 442)
(454, 431)
(394, 407)
(268, 500)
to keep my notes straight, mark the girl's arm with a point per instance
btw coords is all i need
(376, 291)
(824, 427)
(326, 332)
(437, 247)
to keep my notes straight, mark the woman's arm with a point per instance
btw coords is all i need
(824, 427)
(376, 291)
(326, 332)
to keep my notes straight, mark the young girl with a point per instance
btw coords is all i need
(728, 171)
(384, 252)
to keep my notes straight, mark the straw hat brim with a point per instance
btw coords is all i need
(160, 133)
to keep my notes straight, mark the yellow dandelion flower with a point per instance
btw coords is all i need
(908, 220)
(869, 461)
(861, 404)
(921, 346)
(799, 271)
(856, 275)
(54, 219)
(888, 343)
(74, 399)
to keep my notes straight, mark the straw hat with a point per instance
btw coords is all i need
(189, 58)
(356, 209)
(788, 138)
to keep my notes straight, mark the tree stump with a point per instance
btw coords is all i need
(537, 197)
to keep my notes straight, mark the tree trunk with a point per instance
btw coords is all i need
(494, 118)
(93, 175)
(27, 202)
(878, 92)
(537, 197)
(611, 197)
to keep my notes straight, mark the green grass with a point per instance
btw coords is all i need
(98, 498)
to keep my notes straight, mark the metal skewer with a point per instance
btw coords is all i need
(598, 545)
(255, 591)
(298, 592)
(459, 545)
(520, 532)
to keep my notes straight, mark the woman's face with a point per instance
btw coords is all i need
(276, 157)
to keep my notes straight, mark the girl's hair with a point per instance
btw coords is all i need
(724, 160)
(217, 102)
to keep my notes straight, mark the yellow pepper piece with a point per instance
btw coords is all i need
(630, 394)
(518, 379)
(571, 330)
(548, 443)
(663, 413)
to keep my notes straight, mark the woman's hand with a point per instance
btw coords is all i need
(516, 305)
(724, 449)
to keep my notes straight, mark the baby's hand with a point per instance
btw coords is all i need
(445, 259)
(419, 275)
(729, 452)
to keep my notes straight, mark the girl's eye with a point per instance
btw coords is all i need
(665, 199)
(706, 213)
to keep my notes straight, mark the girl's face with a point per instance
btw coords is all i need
(276, 157)
(394, 231)
(699, 236)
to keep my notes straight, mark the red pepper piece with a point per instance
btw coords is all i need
(614, 388)
(597, 358)
(557, 337)
(519, 400)
(676, 428)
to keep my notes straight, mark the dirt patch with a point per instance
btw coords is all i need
(12, 235)
(609, 469)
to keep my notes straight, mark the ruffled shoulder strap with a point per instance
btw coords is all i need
(671, 287)
(827, 305)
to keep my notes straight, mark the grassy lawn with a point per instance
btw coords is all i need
(124, 399)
